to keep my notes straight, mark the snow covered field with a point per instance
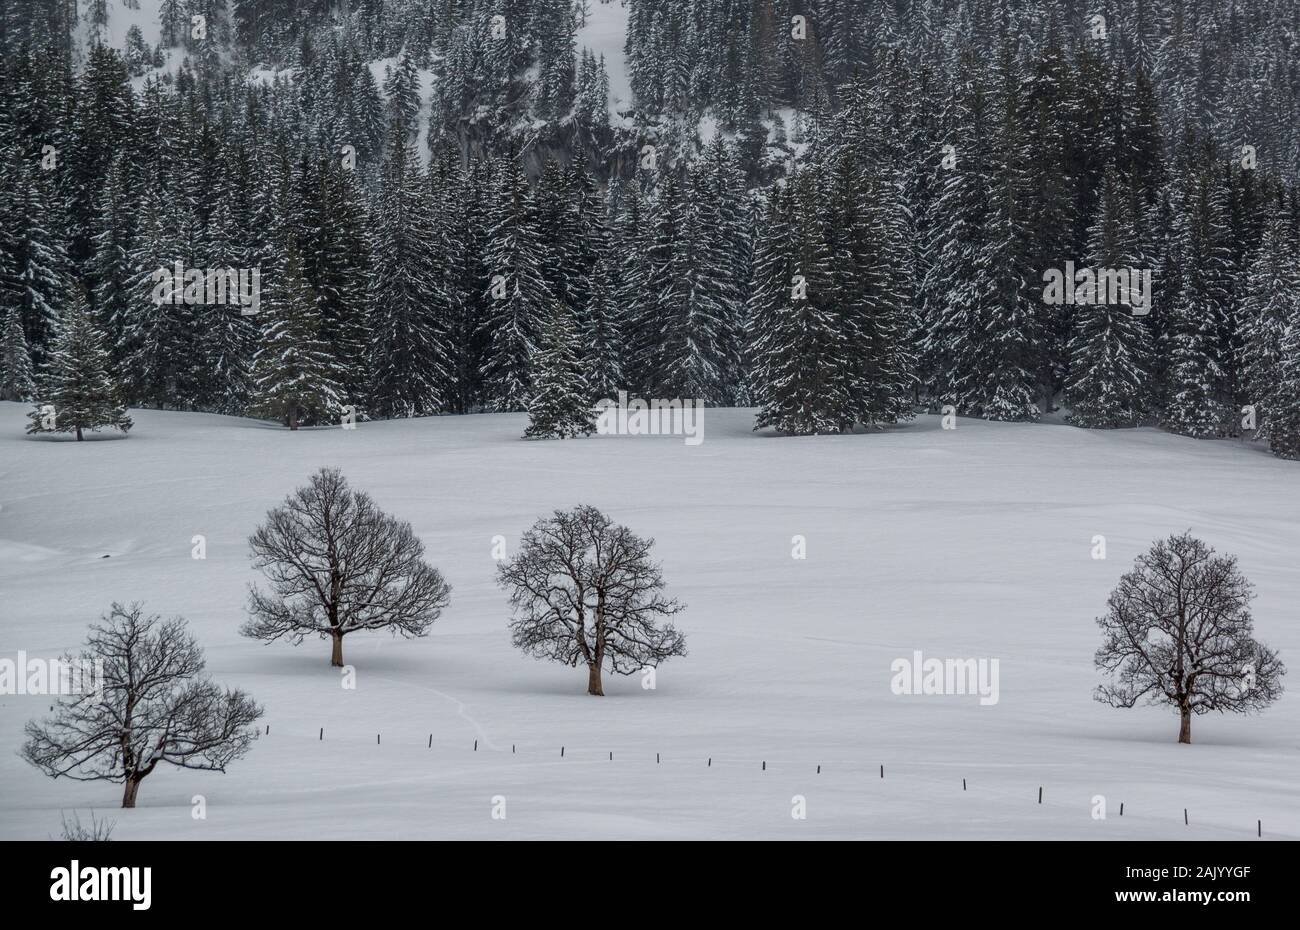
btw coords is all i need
(967, 543)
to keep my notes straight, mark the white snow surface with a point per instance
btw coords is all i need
(974, 543)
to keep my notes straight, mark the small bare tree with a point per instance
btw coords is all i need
(97, 831)
(1178, 632)
(585, 591)
(338, 564)
(155, 704)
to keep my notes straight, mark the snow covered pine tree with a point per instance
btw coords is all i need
(79, 393)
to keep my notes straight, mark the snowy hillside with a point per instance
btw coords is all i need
(973, 542)
(603, 34)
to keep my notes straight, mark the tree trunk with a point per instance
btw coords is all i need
(128, 792)
(293, 417)
(336, 656)
(593, 681)
(1185, 727)
(79, 436)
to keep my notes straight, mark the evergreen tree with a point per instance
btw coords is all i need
(171, 14)
(78, 391)
(558, 229)
(295, 377)
(40, 260)
(157, 337)
(796, 340)
(587, 233)
(517, 292)
(696, 337)
(1110, 350)
(866, 238)
(230, 334)
(1271, 300)
(231, 331)
(342, 264)
(409, 308)
(602, 334)
(560, 406)
(632, 294)
(1050, 146)
(401, 87)
(982, 347)
(1197, 399)
(464, 199)
(660, 330)
(16, 381)
(101, 130)
(1014, 344)
(113, 242)
(1284, 422)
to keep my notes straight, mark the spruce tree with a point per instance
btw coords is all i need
(78, 392)
(464, 205)
(1046, 143)
(1109, 350)
(40, 260)
(602, 334)
(1284, 422)
(631, 293)
(295, 377)
(16, 381)
(981, 345)
(559, 407)
(697, 317)
(797, 342)
(343, 263)
(558, 231)
(516, 292)
(113, 241)
(229, 333)
(658, 332)
(157, 335)
(865, 237)
(401, 87)
(1197, 398)
(1014, 344)
(1270, 301)
(409, 347)
(101, 130)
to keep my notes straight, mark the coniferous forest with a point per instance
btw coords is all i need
(840, 212)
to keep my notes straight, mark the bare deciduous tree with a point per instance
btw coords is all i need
(585, 591)
(1178, 632)
(98, 831)
(338, 564)
(155, 705)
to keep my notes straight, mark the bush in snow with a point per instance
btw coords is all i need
(97, 831)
